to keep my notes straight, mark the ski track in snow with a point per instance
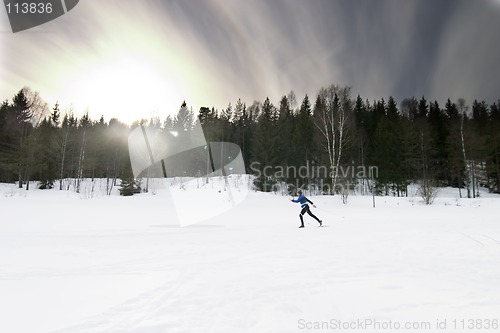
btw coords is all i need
(120, 265)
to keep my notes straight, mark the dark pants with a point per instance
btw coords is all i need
(308, 211)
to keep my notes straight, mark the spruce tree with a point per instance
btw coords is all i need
(45, 151)
(242, 129)
(438, 133)
(21, 129)
(304, 134)
(265, 147)
(129, 186)
(389, 155)
(285, 124)
(493, 160)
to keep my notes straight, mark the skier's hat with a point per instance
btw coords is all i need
(299, 192)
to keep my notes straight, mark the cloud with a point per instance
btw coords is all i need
(214, 52)
(468, 63)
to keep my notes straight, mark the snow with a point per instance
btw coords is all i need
(95, 263)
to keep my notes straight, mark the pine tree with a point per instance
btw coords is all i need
(422, 130)
(409, 108)
(438, 133)
(129, 186)
(454, 151)
(304, 133)
(284, 124)
(118, 156)
(184, 120)
(388, 152)
(210, 123)
(226, 127)
(65, 144)
(478, 145)
(55, 115)
(361, 140)
(493, 163)
(6, 141)
(45, 169)
(21, 128)
(242, 129)
(265, 146)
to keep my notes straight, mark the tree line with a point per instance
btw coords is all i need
(41, 144)
(414, 141)
(417, 141)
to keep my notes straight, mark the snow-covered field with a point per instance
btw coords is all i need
(71, 263)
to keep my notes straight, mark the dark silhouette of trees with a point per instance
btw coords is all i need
(415, 141)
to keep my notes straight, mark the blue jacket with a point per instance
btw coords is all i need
(303, 201)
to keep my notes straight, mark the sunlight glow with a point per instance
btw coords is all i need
(130, 72)
(129, 88)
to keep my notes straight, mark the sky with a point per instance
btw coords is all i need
(134, 59)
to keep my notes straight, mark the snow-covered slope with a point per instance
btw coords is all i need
(71, 263)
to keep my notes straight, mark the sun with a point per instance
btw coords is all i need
(133, 72)
(128, 88)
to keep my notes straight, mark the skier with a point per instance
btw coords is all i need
(304, 204)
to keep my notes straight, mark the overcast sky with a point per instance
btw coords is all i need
(132, 59)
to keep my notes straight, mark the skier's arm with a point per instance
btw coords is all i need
(311, 203)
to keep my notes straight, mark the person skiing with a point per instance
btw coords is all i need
(304, 204)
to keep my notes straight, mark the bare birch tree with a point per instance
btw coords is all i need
(331, 120)
(84, 123)
(462, 110)
(68, 124)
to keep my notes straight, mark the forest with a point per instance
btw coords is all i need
(413, 141)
